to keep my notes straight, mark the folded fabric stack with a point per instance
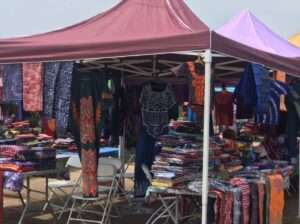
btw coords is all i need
(16, 166)
(42, 158)
(179, 160)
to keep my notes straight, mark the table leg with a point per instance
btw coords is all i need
(27, 200)
(1, 198)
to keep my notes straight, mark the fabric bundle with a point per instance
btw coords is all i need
(32, 87)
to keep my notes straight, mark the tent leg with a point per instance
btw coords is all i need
(208, 61)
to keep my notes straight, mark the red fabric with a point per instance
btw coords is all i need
(224, 108)
(133, 27)
(32, 87)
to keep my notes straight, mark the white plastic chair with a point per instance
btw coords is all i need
(107, 178)
(66, 187)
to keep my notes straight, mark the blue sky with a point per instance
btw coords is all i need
(25, 17)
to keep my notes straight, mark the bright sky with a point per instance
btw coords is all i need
(26, 17)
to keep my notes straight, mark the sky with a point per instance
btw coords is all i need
(26, 17)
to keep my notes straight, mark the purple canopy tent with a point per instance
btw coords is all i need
(142, 27)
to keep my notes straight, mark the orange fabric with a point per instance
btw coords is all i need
(276, 204)
(198, 85)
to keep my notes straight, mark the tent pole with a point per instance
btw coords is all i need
(208, 61)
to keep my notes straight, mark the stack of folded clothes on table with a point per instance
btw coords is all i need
(180, 158)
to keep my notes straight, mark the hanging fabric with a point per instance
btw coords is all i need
(63, 98)
(51, 70)
(157, 108)
(276, 204)
(32, 87)
(223, 103)
(12, 84)
(86, 122)
(245, 94)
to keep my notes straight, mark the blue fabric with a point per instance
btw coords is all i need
(192, 116)
(145, 154)
(271, 116)
(51, 71)
(245, 94)
(63, 98)
(263, 85)
(12, 87)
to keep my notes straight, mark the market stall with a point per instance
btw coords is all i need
(136, 30)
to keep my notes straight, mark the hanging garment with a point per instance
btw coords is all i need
(63, 98)
(32, 87)
(155, 106)
(245, 94)
(254, 216)
(276, 204)
(51, 70)
(261, 200)
(12, 83)
(293, 118)
(271, 116)
(86, 125)
(245, 189)
(237, 205)
(195, 74)
(224, 108)
(263, 85)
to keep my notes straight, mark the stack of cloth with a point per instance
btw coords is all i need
(186, 128)
(178, 162)
(42, 158)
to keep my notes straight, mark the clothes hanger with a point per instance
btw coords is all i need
(199, 60)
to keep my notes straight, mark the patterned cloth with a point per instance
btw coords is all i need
(32, 87)
(155, 108)
(245, 189)
(63, 98)
(12, 87)
(86, 111)
(51, 71)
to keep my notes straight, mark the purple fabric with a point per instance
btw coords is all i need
(13, 181)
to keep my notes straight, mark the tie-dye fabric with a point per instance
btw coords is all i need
(12, 82)
(12, 87)
(32, 87)
(51, 71)
(63, 98)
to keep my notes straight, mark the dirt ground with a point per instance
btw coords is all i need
(13, 209)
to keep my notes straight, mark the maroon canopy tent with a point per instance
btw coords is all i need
(143, 27)
(133, 27)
